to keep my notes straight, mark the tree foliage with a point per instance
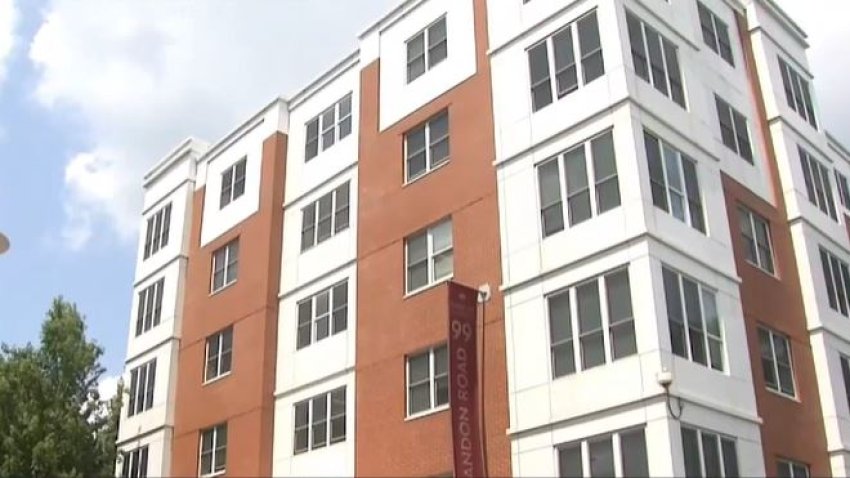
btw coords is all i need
(52, 419)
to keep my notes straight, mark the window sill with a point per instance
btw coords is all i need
(219, 290)
(428, 287)
(427, 173)
(772, 275)
(783, 395)
(426, 413)
(216, 379)
(217, 473)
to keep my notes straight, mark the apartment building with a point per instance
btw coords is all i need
(641, 189)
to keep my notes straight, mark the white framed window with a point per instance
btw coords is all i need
(142, 382)
(843, 189)
(427, 49)
(328, 128)
(325, 217)
(715, 33)
(603, 455)
(590, 184)
(225, 265)
(733, 129)
(758, 248)
(565, 61)
(232, 183)
(429, 256)
(776, 361)
(797, 93)
(319, 421)
(322, 315)
(845, 374)
(836, 275)
(674, 182)
(426, 146)
(597, 314)
(135, 463)
(427, 380)
(214, 450)
(695, 331)
(792, 469)
(708, 454)
(158, 227)
(219, 354)
(655, 59)
(150, 307)
(818, 185)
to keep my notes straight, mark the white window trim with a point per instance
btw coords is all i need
(426, 55)
(720, 438)
(229, 177)
(753, 217)
(432, 281)
(137, 407)
(227, 251)
(773, 335)
(790, 466)
(313, 299)
(835, 281)
(701, 289)
(156, 290)
(157, 231)
(335, 125)
(825, 183)
(220, 375)
(430, 167)
(738, 149)
(334, 194)
(432, 388)
(663, 39)
(681, 158)
(796, 79)
(716, 32)
(616, 448)
(328, 420)
(214, 430)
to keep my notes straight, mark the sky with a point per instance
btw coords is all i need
(93, 92)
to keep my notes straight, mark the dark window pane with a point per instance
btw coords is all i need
(730, 457)
(569, 462)
(538, 64)
(601, 458)
(711, 454)
(633, 449)
(565, 69)
(636, 42)
(690, 448)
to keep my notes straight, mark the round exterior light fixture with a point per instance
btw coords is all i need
(4, 243)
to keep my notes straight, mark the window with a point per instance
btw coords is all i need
(156, 235)
(427, 49)
(584, 314)
(225, 265)
(733, 129)
(313, 427)
(324, 218)
(845, 373)
(219, 354)
(214, 450)
(426, 146)
(655, 59)
(135, 463)
(715, 33)
(572, 56)
(232, 183)
(776, 361)
(708, 454)
(843, 189)
(589, 183)
(797, 93)
(150, 307)
(692, 315)
(674, 182)
(792, 469)
(836, 275)
(818, 185)
(330, 127)
(596, 456)
(429, 256)
(322, 315)
(142, 379)
(428, 380)
(756, 232)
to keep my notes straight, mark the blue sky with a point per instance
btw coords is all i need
(95, 91)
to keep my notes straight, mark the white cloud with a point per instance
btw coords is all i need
(143, 75)
(8, 22)
(108, 386)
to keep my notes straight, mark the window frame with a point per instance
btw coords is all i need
(742, 143)
(592, 184)
(142, 387)
(338, 211)
(817, 182)
(218, 355)
(326, 422)
(717, 26)
(579, 57)
(341, 127)
(233, 182)
(843, 185)
(665, 47)
(720, 440)
(157, 232)
(836, 280)
(431, 380)
(136, 458)
(583, 446)
(430, 164)
(773, 336)
(339, 288)
(686, 323)
(430, 256)
(798, 93)
(690, 199)
(149, 306)
(217, 448)
(426, 55)
(792, 468)
(751, 238)
(227, 251)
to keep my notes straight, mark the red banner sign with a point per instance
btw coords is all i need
(463, 381)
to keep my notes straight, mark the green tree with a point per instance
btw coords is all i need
(52, 420)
